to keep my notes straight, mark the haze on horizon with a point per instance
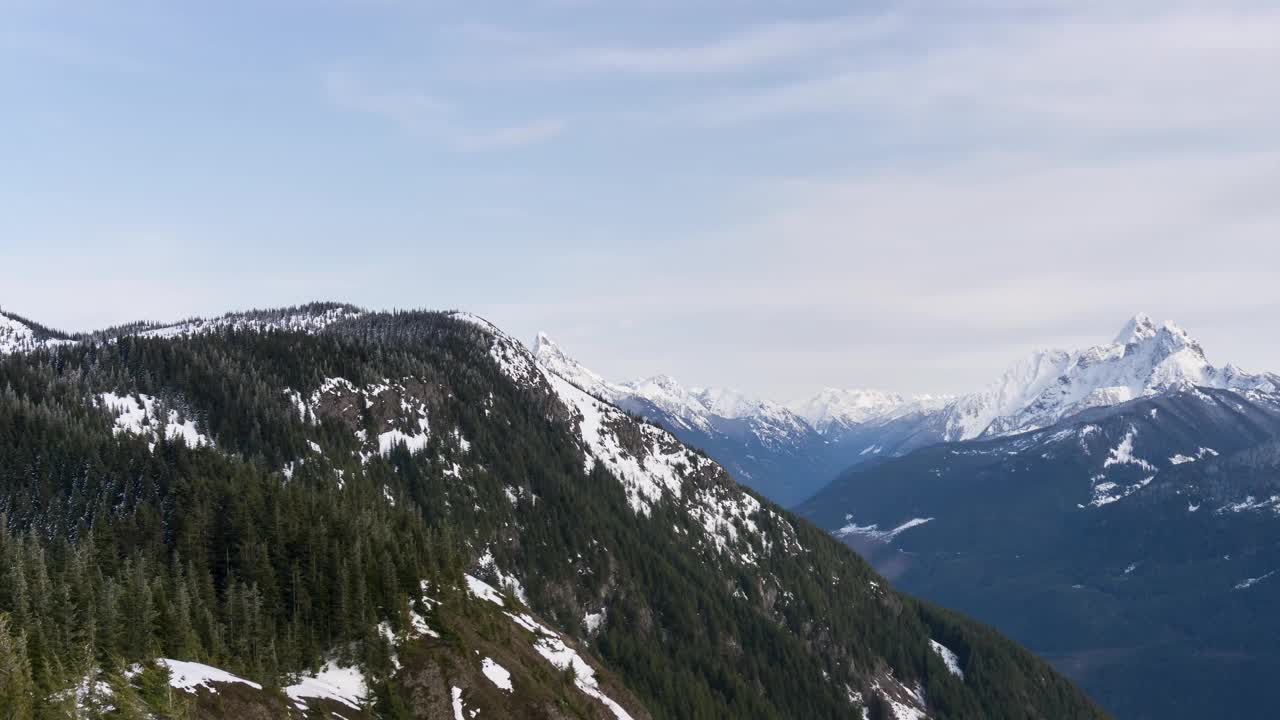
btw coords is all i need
(889, 195)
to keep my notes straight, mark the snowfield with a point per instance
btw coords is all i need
(188, 676)
(341, 684)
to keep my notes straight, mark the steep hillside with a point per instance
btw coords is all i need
(269, 498)
(790, 452)
(764, 445)
(1132, 545)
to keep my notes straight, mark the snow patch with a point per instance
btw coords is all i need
(506, 581)
(584, 676)
(497, 674)
(875, 533)
(949, 658)
(186, 675)
(1252, 503)
(345, 685)
(143, 415)
(1122, 454)
(455, 694)
(484, 591)
(1250, 582)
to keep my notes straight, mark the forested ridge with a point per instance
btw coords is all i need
(311, 511)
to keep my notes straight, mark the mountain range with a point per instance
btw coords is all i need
(789, 452)
(325, 511)
(1113, 507)
(1120, 518)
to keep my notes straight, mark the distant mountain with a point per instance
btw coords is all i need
(1042, 389)
(763, 444)
(1142, 361)
(1133, 544)
(1114, 507)
(833, 412)
(789, 452)
(322, 510)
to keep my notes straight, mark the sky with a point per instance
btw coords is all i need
(776, 197)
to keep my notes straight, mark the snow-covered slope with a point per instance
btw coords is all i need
(17, 336)
(311, 318)
(652, 464)
(1143, 360)
(790, 451)
(706, 409)
(762, 443)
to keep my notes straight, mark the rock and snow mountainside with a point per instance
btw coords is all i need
(705, 409)
(763, 444)
(473, 675)
(789, 452)
(19, 336)
(1131, 543)
(1142, 361)
(432, 445)
(1040, 390)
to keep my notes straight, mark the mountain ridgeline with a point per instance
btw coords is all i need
(1126, 530)
(1113, 508)
(791, 452)
(324, 511)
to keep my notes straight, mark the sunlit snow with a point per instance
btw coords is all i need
(497, 674)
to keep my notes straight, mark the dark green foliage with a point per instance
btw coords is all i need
(115, 552)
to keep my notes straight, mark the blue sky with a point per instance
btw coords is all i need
(773, 196)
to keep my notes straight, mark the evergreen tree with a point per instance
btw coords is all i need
(17, 693)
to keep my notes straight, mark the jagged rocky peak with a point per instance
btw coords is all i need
(1143, 360)
(1139, 328)
(1164, 340)
(552, 357)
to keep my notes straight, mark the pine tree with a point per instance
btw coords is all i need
(17, 692)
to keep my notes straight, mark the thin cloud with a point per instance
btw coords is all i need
(1172, 72)
(513, 136)
(431, 117)
(765, 44)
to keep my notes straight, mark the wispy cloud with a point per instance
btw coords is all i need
(65, 49)
(753, 47)
(1188, 70)
(431, 117)
(513, 136)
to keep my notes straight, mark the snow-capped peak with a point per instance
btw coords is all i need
(1143, 360)
(1139, 328)
(552, 357)
(701, 408)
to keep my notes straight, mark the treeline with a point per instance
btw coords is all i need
(262, 556)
